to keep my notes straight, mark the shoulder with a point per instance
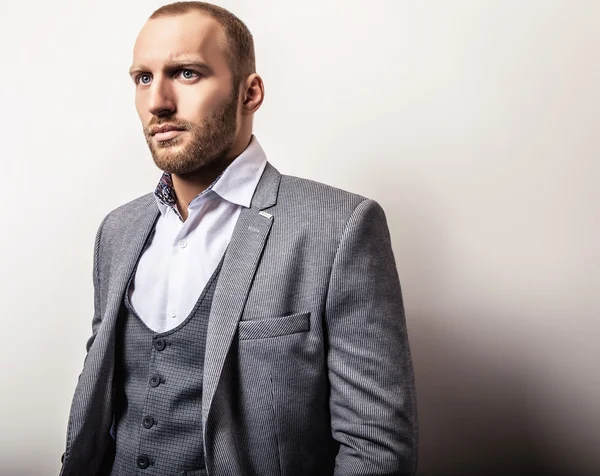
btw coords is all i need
(309, 196)
(325, 210)
(120, 217)
(301, 193)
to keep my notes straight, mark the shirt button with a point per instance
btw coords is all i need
(155, 380)
(160, 344)
(143, 462)
(148, 422)
(173, 313)
(183, 243)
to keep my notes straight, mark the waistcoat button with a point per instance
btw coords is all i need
(148, 421)
(160, 344)
(155, 380)
(143, 462)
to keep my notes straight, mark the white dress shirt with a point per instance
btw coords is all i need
(176, 266)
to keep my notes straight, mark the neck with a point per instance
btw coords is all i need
(189, 186)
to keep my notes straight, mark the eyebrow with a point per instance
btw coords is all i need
(173, 65)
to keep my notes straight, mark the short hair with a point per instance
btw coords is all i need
(239, 42)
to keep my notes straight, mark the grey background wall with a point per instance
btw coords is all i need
(474, 124)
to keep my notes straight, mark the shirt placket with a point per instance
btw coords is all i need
(177, 277)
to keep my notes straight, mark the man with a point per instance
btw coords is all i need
(245, 322)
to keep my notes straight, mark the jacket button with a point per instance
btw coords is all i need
(160, 344)
(155, 380)
(148, 421)
(143, 462)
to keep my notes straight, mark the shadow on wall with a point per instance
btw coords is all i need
(478, 414)
(474, 415)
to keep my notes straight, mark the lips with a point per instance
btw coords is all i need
(164, 128)
(162, 136)
(165, 132)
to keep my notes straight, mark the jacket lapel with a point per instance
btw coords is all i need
(239, 266)
(126, 257)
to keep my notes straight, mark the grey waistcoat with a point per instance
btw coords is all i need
(158, 415)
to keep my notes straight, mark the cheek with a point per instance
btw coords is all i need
(197, 104)
(142, 111)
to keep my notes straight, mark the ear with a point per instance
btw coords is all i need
(253, 94)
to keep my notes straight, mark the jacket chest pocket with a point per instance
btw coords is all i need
(274, 326)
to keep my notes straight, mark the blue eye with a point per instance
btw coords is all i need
(139, 78)
(189, 74)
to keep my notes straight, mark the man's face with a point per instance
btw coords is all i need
(183, 80)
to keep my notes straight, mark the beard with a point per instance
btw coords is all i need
(208, 143)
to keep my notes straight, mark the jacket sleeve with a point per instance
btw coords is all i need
(372, 394)
(96, 318)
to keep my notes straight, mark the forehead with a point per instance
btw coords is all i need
(191, 34)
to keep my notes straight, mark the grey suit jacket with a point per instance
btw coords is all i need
(307, 368)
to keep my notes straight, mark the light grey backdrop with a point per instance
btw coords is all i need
(474, 124)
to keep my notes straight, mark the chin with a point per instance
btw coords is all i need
(178, 165)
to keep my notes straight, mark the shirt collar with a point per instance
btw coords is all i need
(236, 184)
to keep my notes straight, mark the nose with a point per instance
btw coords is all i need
(160, 100)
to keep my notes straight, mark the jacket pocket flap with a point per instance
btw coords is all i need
(274, 326)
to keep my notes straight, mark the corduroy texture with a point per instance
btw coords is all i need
(307, 367)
